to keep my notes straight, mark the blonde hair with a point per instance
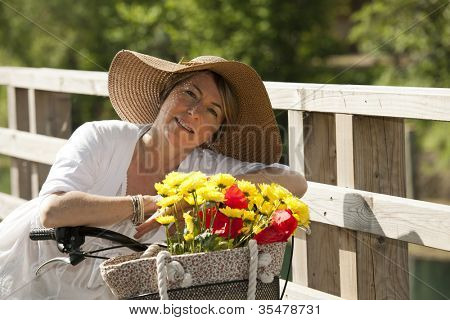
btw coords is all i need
(229, 100)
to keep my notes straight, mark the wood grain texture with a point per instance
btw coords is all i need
(347, 264)
(414, 221)
(380, 167)
(320, 166)
(28, 146)
(398, 102)
(296, 162)
(20, 169)
(295, 291)
(53, 118)
(57, 80)
(346, 178)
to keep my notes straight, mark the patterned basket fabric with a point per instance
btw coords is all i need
(233, 290)
(131, 276)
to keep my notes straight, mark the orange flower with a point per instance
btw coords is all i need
(235, 198)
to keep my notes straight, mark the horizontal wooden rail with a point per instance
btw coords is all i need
(296, 291)
(29, 146)
(413, 221)
(56, 80)
(398, 102)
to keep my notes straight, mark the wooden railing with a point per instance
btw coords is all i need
(347, 140)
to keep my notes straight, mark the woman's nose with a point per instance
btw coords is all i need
(193, 110)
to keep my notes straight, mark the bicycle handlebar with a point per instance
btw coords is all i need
(42, 234)
(75, 236)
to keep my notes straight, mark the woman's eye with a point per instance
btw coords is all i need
(213, 111)
(191, 94)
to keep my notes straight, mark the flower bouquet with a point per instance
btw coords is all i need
(225, 240)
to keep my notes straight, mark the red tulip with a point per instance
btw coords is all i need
(221, 225)
(282, 226)
(235, 198)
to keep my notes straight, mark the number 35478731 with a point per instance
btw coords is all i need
(288, 309)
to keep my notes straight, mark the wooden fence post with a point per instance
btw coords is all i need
(346, 178)
(18, 119)
(296, 162)
(42, 112)
(320, 166)
(379, 160)
(53, 118)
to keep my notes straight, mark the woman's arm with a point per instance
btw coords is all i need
(76, 208)
(291, 180)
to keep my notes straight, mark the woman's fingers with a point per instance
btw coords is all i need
(147, 225)
(150, 204)
(151, 223)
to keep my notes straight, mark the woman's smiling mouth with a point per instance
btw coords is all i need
(183, 125)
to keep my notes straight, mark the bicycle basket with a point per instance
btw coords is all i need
(218, 275)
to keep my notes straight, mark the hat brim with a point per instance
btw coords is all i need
(135, 82)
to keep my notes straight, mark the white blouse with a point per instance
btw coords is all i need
(94, 160)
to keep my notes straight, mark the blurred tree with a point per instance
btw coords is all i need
(278, 37)
(413, 35)
(284, 40)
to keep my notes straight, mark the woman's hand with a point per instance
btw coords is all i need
(151, 222)
(150, 206)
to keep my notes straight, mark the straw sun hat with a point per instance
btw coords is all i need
(136, 80)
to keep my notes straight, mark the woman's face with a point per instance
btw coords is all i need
(192, 112)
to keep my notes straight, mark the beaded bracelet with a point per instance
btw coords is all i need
(141, 211)
(138, 209)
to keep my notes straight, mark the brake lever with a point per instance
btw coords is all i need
(65, 260)
(74, 258)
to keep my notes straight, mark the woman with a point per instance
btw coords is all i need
(209, 115)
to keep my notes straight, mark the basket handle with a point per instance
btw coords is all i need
(168, 272)
(253, 269)
(161, 272)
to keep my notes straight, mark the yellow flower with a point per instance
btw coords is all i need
(249, 215)
(282, 206)
(222, 180)
(174, 179)
(282, 192)
(209, 193)
(302, 219)
(296, 205)
(189, 222)
(266, 208)
(194, 181)
(269, 192)
(248, 188)
(190, 199)
(257, 200)
(232, 213)
(164, 189)
(164, 220)
(170, 200)
(189, 237)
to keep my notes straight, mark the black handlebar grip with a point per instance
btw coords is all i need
(42, 234)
